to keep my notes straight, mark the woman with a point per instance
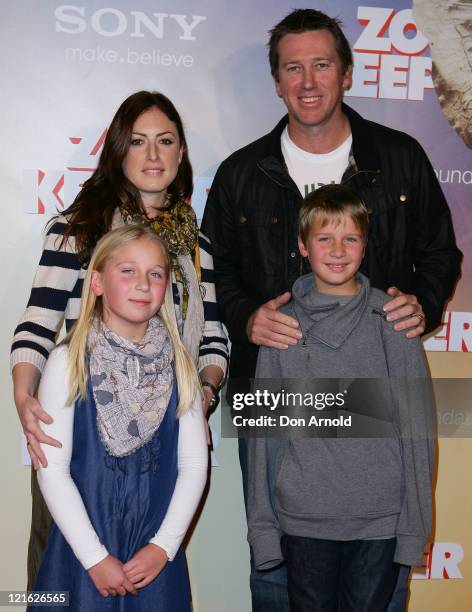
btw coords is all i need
(143, 175)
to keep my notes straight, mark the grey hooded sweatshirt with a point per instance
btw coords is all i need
(349, 488)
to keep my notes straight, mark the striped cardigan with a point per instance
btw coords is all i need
(56, 295)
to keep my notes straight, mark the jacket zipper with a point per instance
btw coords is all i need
(290, 188)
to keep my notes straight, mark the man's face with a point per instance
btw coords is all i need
(311, 79)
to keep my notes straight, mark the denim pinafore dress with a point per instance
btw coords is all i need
(126, 499)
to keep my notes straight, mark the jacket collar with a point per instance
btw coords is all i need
(365, 154)
(274, 148)
(363, 147)
(330, 324)
(272, 163)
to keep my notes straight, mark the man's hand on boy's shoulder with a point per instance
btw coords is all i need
(269, 327)
(405, 308)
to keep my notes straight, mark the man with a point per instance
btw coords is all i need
(251, 214)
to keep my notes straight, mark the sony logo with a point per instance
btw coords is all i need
(71, 19)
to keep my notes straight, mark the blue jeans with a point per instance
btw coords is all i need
(332, 576)
(400, 595)
(269, 589)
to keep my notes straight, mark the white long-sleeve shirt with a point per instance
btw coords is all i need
(62, 496)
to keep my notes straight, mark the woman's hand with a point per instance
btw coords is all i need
(30, 411)
(109, 578)
(214, 375)
(206, 404)
(146, 564)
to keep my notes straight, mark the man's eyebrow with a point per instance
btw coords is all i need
(316, 59)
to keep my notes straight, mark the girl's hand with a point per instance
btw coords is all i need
(146, 564)
(30, 413)
(109, 578)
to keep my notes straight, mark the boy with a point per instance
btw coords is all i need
(343, 513)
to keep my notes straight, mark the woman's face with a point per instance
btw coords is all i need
(153, 157)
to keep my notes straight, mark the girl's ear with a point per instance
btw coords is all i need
(96, 283)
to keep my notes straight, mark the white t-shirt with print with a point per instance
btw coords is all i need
(312, 170)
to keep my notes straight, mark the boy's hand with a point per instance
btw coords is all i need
(109, 578)
(146, 564)
(268, 327)
(405, 306)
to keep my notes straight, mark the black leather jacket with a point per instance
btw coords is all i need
(251, 218)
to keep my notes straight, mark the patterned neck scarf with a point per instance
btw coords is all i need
(131, 383)
(177, 226)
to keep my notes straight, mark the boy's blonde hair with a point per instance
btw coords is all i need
(332, 203)
(91, 307)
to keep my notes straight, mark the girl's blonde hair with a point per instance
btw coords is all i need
(91, 307)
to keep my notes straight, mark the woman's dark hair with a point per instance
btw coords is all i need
(90, 215)
(306, 20)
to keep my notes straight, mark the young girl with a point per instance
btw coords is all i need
(133, 464)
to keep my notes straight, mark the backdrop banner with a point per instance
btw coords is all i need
(67, 67)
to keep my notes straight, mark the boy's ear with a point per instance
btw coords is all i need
(301, 248)
(96, 283)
